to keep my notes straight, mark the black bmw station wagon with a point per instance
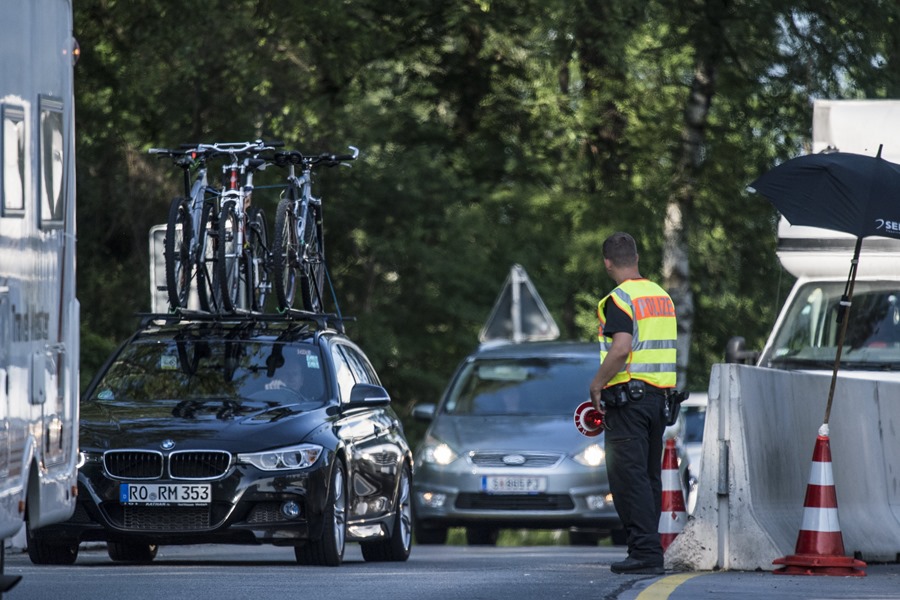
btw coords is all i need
(240, 431)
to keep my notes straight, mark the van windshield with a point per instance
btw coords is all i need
(808, 336)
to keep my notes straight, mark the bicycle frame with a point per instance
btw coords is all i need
(240, 275)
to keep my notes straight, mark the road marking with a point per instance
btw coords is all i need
(661, 589)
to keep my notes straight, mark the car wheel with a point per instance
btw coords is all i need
(42, 552)
(428, 536)
(396, 547)
(328, 551)
(618, 537)
(482, 536)
(583, 538)
(131, 552)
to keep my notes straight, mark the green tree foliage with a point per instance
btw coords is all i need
(492, 132)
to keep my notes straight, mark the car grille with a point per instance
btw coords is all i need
(169, 518)
(132, 464)
(531, 459)
(531, 502)
(189, 464)
(198, 465)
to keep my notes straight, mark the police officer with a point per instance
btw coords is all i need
(637, 368)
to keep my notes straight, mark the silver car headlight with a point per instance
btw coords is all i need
(283, 459)
(437, 452)
(592, 456)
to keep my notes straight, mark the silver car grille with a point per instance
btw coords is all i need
(515, 459)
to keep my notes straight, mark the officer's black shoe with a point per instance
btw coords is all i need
(633, 566)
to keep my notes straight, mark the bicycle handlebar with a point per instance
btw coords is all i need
(326, 158)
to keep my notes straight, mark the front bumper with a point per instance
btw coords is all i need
(248, 506)
(575, 496)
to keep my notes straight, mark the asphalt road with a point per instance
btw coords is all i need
(432, 573)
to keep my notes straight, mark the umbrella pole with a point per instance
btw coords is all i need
(843, 318)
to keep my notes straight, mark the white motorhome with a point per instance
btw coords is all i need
(805, 334)
(39, 314)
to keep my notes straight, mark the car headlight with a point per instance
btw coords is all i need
(592, 456)
(283, 459)
(437, 452)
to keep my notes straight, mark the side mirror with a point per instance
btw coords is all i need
(424, 412)
(367, 395)
(736, 352)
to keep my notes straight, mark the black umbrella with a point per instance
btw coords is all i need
(852, 193)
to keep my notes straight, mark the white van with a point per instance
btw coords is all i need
(805, 334)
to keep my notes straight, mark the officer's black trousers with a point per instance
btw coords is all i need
(634, 444)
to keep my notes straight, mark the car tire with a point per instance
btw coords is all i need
(430, 536)
(618, 537)
(328, 551)
(131, 552)
(42, 552)
(395, 548)
(583, 538)
(482, 536)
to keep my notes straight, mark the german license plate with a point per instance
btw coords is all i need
(165, 494)
(513, 485)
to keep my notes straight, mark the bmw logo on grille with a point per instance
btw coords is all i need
(167, 444)
(513, 459)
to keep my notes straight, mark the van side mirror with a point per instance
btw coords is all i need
(736, 352)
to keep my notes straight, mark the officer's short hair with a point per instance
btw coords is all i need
(620, 249)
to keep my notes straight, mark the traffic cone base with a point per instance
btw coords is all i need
(817, 564)
(672, 515)
(820, 545)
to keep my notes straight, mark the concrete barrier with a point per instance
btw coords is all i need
(758, 442)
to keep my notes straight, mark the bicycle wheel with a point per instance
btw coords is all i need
(207, 250)
(226, 275)
(312, 261)
(259, 284)
(179, 231)
(285, 253)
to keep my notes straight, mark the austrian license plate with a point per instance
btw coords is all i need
(165, 494)
(513, 485)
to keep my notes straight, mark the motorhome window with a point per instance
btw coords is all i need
(811, 329)
(12, 153)
(530, 386)
(52, 161)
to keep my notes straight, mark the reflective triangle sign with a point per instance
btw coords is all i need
(519, 314)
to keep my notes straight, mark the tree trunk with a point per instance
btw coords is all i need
(676, 265)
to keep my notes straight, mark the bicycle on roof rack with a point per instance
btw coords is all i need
(298, 248)
(240, 261)
(190, 217)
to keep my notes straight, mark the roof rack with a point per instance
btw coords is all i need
(322, 320)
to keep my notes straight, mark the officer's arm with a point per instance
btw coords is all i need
(614, 362)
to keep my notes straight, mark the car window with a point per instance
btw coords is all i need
(694, 422)
(362, 368)
(531, 386)
(343, 372)
(197, 371)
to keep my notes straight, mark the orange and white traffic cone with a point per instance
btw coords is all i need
(820, 545)
(673, 515)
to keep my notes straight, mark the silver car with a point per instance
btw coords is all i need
(502, 449)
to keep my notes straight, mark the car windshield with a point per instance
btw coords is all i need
(808, 336)
(198, 371)
(522, 386)
(694, 421)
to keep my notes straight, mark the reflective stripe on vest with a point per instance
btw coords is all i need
(654, 333)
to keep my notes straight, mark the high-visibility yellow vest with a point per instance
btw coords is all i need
(652, 357)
